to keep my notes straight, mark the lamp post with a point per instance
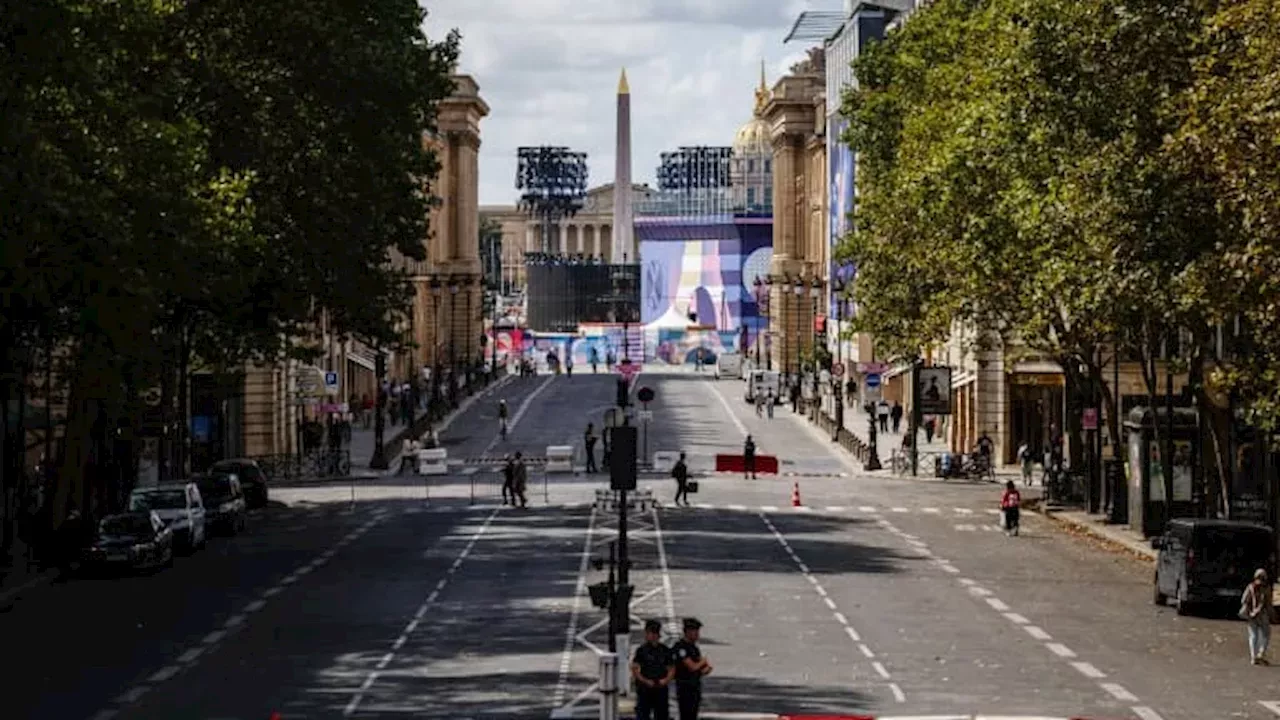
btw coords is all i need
(379, 460)
(453, 354)
(470, 361)
(838, 286)
(435, 345)
(799, 287)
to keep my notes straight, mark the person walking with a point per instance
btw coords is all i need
(769, 402)
(895, 414)
(691, 667)
(520, 481)
(680, 471)
(749, 459)
(1255, 610)
(653, 668)
(882, 412)
(1010, 506)
(509, 481)
(589, 443)
(502, 418)
(1024, 459)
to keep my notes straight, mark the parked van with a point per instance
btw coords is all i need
(1209, 562)
(729, 365)
(762, 382)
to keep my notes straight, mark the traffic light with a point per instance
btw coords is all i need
(622, 458)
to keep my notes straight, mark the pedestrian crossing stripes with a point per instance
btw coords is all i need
(959, 513)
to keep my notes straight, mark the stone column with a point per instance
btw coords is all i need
(564, 238)
(786, 151)
(595, 235)
(531, 237)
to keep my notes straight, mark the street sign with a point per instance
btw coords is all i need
(1089, 419)
(646, 415)
(645, 394)
(310, 382)
(872, 381)
(838, 369)
(871, 390)
(628, 371)
(331, 383)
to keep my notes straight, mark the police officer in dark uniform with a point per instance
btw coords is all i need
(653, 668)
(690, 667)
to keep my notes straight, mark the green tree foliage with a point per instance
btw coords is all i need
(194, 181)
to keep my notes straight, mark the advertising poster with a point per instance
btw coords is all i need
(935, 391)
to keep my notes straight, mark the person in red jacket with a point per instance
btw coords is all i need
(1010, 503)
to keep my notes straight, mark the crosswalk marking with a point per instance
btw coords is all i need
(963, 511)
(932, 511)
(448, 506)
(978, 528)
(1272, 705)
(470, 470)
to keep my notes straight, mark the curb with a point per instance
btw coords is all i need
(1146, 554)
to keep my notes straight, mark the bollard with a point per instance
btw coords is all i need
(623, 669)
(608, 686)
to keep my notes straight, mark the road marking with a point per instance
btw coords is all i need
(897, 692)
(899, 510)
(104, 715)
(835, 508)
(1088, 670)
(830, 603)
(214, 637)
(1146, 713)
(190, 655)
(967, 581)
(1272, 705)
(133, 695)
(866, 509)
(997, 604)
(880, 669)
(733, 417)
(164, 673)
(769, 508)
(399, 643)
(979, 591)
(358, 696)
(853, 634)
(867, 651)
(840, 618)
(272, 591)
(948, 567)
(821, 591)
(233, 621)
(931, 511)
(1016, 618)
(963, 511)
(386, 660)
(966, 528)
(1119, 692)
(520, 411)
(1035, 632)
(255, 606)
(803, 568)
(667, 590)
(1062, 651)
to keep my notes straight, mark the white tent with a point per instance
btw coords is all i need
(670, 320)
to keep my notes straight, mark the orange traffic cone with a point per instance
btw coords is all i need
(795, 495)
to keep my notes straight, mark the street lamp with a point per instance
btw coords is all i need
(453, 350)
(435, 346)
(838, 286)
(379, 460)
(799, 287)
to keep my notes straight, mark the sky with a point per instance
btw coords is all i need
(549, 71)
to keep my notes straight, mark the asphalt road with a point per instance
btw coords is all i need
(422, 598)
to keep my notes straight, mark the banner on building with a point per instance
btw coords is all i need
(934, 391)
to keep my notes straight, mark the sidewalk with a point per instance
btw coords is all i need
(1116, 537)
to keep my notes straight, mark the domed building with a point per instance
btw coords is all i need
(751, 169)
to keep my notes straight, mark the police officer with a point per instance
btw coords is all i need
(690, 667)
(653, 668)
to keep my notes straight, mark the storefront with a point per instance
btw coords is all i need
(1036, 406)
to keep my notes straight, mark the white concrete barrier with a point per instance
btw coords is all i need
(559, 458)
(664, 460)
(433, 461)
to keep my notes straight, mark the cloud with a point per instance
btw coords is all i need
(549, 71)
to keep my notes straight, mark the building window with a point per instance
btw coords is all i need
(751, 196)
(768, 166)
(768, 196)
(751, 166)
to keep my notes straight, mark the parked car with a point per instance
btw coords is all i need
(180, 506)
(252, 479)
(135, 540)
(1209, 562)
(225, 504)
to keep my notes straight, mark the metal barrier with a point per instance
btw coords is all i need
(609, 500)
(316, 464)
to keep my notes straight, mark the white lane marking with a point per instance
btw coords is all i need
(133, 695)
(214, 637)
(992, 511)
(979, 591)
(931, 511)
(254, 606)
(733, 417)
(704, 506)
(803, 568)
(840, 618)
(739, 508)
(1088, 670)
(399, 643)
(769, 508)
(880, 669)
(1119, 692)
(897, 693)
(821, 591)
(272, 591)
(1146, 713)
(358, 696)
(190, 655)
(853, 634)
(948, 567)
(408, 629)
(899, 510)
(1272, 705)
(520, 411)
(1035, 632)
(997, 604)
(164, 673)
(967, 581)
(867, 651)
(1016, 618)
(830, 603)
(963, 511)
(835, 508)
(1061, 651)
(966, 528)
(233, 621)
(664, 568)
(866, 509)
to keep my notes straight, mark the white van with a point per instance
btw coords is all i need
(762, 382)
(729, 365)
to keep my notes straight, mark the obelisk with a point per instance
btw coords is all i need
(623, 216)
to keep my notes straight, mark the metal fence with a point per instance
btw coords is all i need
(308, 466)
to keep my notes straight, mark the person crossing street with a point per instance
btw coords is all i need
(589, 439)
(681, 473)
(502, 418)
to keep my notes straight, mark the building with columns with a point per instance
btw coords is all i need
(590, 232)
(445, 323)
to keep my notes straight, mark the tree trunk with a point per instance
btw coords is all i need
(164, 452)
(1150, 352)
(1076, 398)
(184, 385)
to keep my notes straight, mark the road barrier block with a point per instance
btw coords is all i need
(559, 459)
(433, 461)
(765, 464)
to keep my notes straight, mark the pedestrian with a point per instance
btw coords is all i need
(930, 427)
(680, 471)
(1255, 610)
(653, 668)
(769, 402)
(1010, 506)
(759, 403)
(589, 442)
(749, 459)
(691, 666)
(509, 480)
(520, 481)
(895, 414)
(882, 411)
(502, 418)
(1024, 459)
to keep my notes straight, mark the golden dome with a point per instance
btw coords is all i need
(753, 137)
